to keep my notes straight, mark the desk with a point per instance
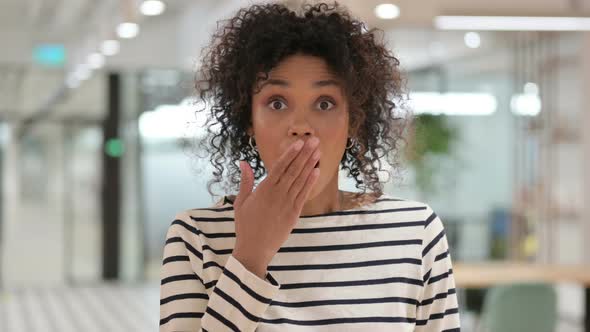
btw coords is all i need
(488, 274)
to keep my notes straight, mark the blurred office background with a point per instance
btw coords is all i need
(97, 122)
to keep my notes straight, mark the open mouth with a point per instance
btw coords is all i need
(317, 165)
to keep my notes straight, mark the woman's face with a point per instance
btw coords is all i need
(301, 99)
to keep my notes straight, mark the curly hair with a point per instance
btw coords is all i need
(255, 40)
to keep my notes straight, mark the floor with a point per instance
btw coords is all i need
(104, 307)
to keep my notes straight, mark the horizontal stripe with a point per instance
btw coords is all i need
(426, 276)
(452, 330)
(174, 240)
(344, 265)
(236, 305)
(220, 209)
(441, 256)
(180, 258)
(222, 319)
(179, 277)
(187, 245)
(212, 264)
(347, 320)
(182, 277)
(357, 227)
(271, 279)
(194, 251)
(351, 246)
(438, 297)
(440, 277)
(184, 296)
(362, 212)
(210, 284)
(352, 283)
(245, 287)
(437, 316)
(430, 219)
(196, 231)
(181, 315)
(218, 251)
(433, 243)
(345, 302)
(212, 219)
(329, 247)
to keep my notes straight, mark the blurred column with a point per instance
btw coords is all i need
(133, 250)
(585, 60)
(585, 67)
(111, 186)
(33, 239)
(83, 230)
(10, 185)
(57, 177)
(123, 226)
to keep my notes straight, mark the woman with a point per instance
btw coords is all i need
(293, 97)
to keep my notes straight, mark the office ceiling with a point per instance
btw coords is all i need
(173, 39)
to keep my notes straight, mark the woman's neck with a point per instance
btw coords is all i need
(324, 202)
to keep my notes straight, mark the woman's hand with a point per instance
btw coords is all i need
(265, 218)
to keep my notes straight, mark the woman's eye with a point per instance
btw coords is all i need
(324, 105)
(276, 104)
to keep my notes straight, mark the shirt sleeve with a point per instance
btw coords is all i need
(234, 302)
(438, 308)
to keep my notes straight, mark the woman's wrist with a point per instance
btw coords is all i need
(251, 263)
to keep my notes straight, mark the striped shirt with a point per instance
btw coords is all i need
(384, 266)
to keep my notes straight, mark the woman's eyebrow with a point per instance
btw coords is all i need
(275, 81)
(319, 84)
(316, 84)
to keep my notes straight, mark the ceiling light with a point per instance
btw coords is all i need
(387, 11)
(531, 88)
(83, 72)
(127, 30)
(453, 103)
(96, 60)
(110, 47)
(472, 40)
(174, 121)
(152, 7)
(526, 104)
(72, 81)
(512, 23)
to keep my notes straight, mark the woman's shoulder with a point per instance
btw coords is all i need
(202, 219)
(420, 209)
(220, 204)
(397, 201)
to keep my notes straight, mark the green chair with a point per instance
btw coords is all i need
(524, 307)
